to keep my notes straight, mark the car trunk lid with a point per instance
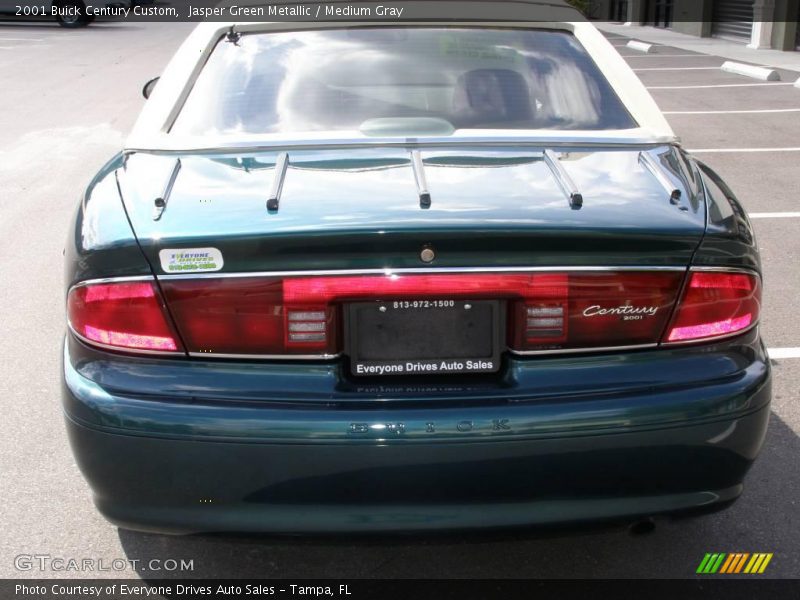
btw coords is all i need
(360, 208)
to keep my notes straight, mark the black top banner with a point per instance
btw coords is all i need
(331, 10)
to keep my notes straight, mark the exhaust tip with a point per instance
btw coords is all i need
(643, 526)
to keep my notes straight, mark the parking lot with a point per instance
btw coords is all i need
(68, 100)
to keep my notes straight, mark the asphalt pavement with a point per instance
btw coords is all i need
(69, 98)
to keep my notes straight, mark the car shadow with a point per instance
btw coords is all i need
(763, 520)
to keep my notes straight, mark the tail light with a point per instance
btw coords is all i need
(124, 315)
(582, 311)
(301, 316)
(716, 304)
(249, 316)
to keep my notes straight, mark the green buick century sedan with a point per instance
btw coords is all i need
(405, 276)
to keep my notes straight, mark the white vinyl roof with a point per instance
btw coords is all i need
(150, 132)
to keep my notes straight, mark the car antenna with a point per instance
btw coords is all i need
(564, 180)
(655, 170)
(419, 176)
(233, 36)
(160, 203)
(281, 164)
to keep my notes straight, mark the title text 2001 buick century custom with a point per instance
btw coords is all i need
(349, 277)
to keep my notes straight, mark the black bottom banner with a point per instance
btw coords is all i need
(408, 589)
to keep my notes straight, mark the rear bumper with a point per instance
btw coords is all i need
(521, 451)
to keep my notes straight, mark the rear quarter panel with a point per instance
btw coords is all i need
(730, 240)
(101, 242)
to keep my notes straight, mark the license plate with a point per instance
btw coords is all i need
(423, 337)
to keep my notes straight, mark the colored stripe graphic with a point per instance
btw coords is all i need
(752, 562)
(711, 563)
(728, 563)
(703, 564)
(718, 563)
(758, 563)
(741, 562)
(733, 563)
(765, 563)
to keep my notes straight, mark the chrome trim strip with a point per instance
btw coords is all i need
(111, 280)
(412, 142)
(726, 270)
(415, 271)
(580, 350)
(161, 203)
(282, 357)
(88, 342)
(281, 164)
(563, 179)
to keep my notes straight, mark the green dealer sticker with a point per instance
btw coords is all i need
(190, 260)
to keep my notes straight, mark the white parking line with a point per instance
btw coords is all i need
(731, 112)
(732, 150)
(678, 69)
(785, 215)
(626, 44)
(718, 85)
(784, 352)
(775, 215)
(667, 56)
(5, 39)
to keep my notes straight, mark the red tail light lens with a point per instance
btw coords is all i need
(302, 290)
(716, 304)
(249, 316)
(300, 315)
(582, 311)
(125, 315)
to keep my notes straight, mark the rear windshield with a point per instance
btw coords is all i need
(341, 79)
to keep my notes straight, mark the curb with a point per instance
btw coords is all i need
(640, 46)
(762, 73)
